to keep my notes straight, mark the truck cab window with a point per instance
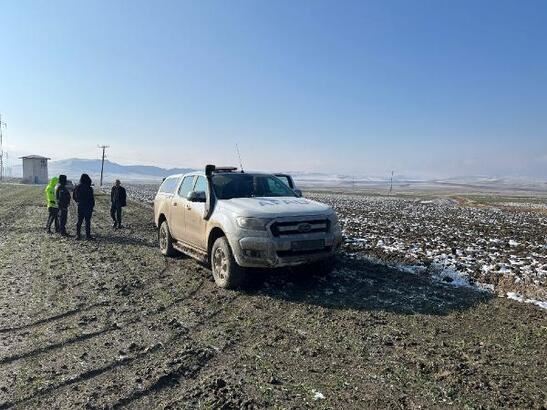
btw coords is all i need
(201, 185)
(169, 185)
(186, 186)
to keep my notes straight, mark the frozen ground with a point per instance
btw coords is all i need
(113, 324)
(503, 247)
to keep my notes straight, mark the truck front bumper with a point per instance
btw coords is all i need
(268, 252)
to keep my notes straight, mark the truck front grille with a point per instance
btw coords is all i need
(300, 227)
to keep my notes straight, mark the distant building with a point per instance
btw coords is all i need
(35, 169)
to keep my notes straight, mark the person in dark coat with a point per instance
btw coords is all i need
(62, 195)
(83, 195)
(118, 198)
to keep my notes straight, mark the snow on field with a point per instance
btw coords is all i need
(520, 298)
(525, 205)
(499, 249)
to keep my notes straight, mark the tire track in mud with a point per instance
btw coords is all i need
(111, 327)
(125, 361)
(51, 319)
(87, 308)
(196, 360)
(227, 358)
(69, 314)
(184, 371)
(77, 379)
(48, 348)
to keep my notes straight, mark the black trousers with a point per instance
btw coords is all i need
(116, 214)
(53, 217)
(84, 216)
(63, 215)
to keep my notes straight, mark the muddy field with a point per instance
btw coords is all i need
(111, 323)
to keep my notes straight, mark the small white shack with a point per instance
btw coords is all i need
(35, 169)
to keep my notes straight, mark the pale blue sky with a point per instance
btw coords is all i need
(423, 87)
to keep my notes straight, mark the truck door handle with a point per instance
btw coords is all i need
(174, 204)
(188, 207)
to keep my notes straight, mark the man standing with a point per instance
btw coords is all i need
(53, 210)
(118, 197)
(63, 201)
(83, 195)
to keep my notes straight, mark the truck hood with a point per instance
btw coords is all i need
(271, 207)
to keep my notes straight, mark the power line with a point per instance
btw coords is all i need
(103, 147)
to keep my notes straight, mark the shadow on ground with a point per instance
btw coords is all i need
(362, 285)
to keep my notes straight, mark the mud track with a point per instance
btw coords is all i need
(111, 323)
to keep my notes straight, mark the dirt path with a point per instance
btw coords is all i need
(111, 323)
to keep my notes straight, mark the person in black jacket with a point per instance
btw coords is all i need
(118, 197)
(62, 195)
(83, 195)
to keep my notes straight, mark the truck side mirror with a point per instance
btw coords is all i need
(196, 196)
(298, 192)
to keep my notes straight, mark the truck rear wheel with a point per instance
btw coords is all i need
(226, 272)
(165, 240)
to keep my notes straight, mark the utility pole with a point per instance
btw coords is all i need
(391, 184)
(103, 147)
(2, 154)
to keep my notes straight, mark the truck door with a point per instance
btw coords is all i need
(195, 224)
(177, 212)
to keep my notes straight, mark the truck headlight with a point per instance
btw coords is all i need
(253, 224)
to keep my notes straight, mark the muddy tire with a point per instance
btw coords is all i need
(165, 240)
(226, 272)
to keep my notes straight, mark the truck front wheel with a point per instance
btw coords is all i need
(165, 240)
(226, 272)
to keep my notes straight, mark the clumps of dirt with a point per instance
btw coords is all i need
(218, 392)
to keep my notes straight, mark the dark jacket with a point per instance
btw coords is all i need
(83, 195)
(62, 195)
(118, 196)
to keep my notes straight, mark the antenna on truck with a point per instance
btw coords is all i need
(239, 156)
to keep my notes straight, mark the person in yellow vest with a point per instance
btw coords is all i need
(51, 202)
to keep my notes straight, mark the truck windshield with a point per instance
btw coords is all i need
(285, 180)
(228, 186)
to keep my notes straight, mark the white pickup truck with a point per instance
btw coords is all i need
(235, 220)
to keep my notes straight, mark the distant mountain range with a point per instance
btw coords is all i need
(74, 167)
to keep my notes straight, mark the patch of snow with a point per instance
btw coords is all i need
(452, 276)
(519, 298)
(317, 395)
